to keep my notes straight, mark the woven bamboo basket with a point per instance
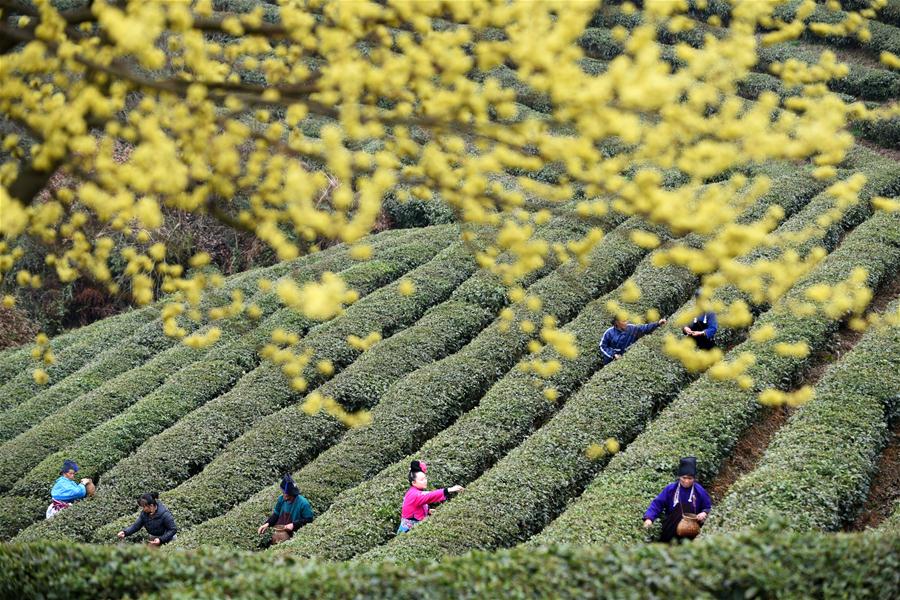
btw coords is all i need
(688, 526)
(280, 534)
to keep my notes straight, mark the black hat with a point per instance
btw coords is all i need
(688, 466)
(418, 465)
(288, 486)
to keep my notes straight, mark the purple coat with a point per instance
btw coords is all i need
(665, 502)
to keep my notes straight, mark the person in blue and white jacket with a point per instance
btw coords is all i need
(65, 491)
(621, 335)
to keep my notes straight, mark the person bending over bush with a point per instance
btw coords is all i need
(65, 491)
(416, 502)
(156, 518)
(292, 511)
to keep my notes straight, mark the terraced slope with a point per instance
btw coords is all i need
(213, 429)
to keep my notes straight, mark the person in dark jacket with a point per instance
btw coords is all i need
(676, 499)
(621, 335)
(702, 329)
(156, 518)
(292, 511)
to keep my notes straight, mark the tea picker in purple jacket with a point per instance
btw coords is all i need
(677, 498)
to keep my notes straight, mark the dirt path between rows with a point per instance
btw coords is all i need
(752, 445)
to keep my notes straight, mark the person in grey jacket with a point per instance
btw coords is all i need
(156, 518)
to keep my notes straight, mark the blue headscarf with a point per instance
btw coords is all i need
(68, 465)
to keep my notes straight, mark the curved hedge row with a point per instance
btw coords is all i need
(290, 437)
(264, 452)
(885, 37)
(758, 564)
(198, 377)
(182, 450)
(102, 332)
(616, 402)
(884, 132)
(366, 515)
(118, 358)
(817, 470)
(115, 360)
(185, 391)
(430, 397)
(80, 346)
(387, 490)
(102, 447)
(15, 360)
(869, 83)
(707, 418)
(21, 387)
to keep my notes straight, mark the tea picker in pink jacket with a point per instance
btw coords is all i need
(416, 502)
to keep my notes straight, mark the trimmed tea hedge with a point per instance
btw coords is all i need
(431, 397)
(367, 515)
(758, 564)
(817, 471)
(118, 358)
(861, 82)
(264, 452)
(187, 390)
(21, 387)
(616, 402)
(182, 450)
(289, 437)
(511, 395)
(191, 378)
(885, 37)
(80, 347)
(884, 132)
(492, 445)
(707, 418)
(15, 360)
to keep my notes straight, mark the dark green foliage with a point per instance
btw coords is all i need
(759, 564)
(290, 437)
(182, 450)
(817, 471)
(884, 132)
(707, 419)
(617, 402)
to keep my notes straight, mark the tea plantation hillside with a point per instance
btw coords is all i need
(213, 429)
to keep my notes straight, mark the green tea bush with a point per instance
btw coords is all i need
(756, 564)
(182, 450)
(15, 360)
(290, 437)
(187, 384)
(817, 471)
(708, 417)
(21, 387)
(616, 402)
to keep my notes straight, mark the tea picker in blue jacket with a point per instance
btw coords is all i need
(621, 335)
(65, 491)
